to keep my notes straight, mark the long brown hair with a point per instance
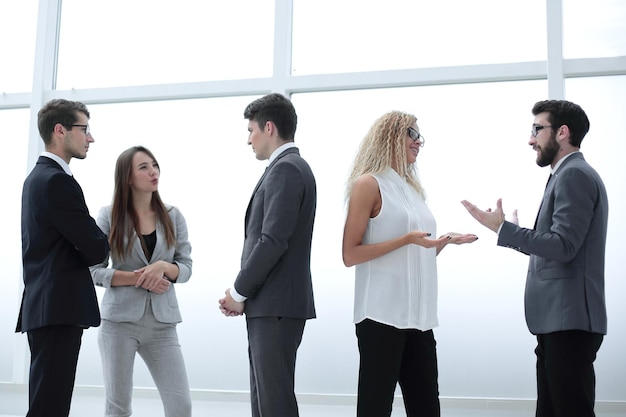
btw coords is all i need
(124, 219)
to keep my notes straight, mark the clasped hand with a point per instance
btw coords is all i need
(229, 307)
(152, 278)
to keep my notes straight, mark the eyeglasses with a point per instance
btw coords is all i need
(416, 136)
(536, 128)
(87, 130)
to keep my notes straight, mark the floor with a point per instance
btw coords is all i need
(89, 402)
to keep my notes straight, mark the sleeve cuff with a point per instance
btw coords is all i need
(236, 296)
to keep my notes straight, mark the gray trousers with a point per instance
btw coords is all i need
(157, 344)
(272, 346)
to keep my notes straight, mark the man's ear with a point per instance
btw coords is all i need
(59, 129)
(563, 133)
(270, 128)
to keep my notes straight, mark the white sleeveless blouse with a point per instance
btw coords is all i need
(400, 288)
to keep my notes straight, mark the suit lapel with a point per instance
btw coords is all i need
(258, 184)
(552, 181)
(139, 250)
(269, 167)
(544, 197)
(160, 247)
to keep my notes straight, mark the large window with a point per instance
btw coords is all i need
(176, 77)
(13, 168)
(208, 171)
(17, 45)
(604, 148)
(593, 30)
(144, 42)
(476, 149)
(356, 35)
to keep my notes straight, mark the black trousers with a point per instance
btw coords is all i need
(389, 356)
(53, 358)
(566, 381)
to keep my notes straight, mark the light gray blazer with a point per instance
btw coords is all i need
(565, 281)
(128, 303)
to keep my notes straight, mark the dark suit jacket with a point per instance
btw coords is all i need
(276, 260)
(60, 240)
(565, 282)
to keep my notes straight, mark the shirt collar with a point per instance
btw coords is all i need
(56, 158)
(280, 150)
(558, 164)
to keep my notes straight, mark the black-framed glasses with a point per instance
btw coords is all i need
(87, 130)
(416, 136)
(536, 128)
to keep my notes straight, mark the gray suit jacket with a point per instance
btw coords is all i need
(276, 260)
(128, 303)
(565, 282)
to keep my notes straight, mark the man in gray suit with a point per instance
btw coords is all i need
(273, 287)
(564, 299)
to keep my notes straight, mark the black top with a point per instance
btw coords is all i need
(149, 243)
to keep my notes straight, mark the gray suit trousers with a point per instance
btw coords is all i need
(272, 346)
(157, 344)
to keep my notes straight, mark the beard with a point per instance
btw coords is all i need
(549, 152)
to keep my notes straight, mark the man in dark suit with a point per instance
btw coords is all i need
(564, 299)
(60, 240)
(274, 287)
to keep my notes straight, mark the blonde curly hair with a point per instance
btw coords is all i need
(384, 146)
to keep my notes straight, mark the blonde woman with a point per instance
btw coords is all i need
(389, 236)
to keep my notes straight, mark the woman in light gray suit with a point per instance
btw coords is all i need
(149, 252)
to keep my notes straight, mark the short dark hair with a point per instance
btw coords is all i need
(277, 109)
(58, 111)
(561, 112)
